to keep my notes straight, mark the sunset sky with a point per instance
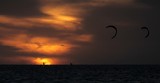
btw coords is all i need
(64, 31)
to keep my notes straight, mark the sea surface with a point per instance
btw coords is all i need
(80, 74)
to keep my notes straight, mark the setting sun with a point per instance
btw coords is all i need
(43, 61)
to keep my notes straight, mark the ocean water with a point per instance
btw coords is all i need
(80, 74)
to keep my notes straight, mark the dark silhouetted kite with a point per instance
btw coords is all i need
(148, 33)
(111, 26)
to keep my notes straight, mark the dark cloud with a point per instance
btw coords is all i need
(10, 51)
(130, 46)
(20, 8)
(153, 3)
(7, 50)
(69, 1)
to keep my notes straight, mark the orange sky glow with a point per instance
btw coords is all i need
(66, 17)
(58, 18)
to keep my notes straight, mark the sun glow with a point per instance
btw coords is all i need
(43, 61)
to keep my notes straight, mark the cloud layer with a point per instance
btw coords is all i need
(57, 31)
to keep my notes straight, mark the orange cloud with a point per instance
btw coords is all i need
(14, 21)
(62, 16)
(58, 18)
(82, 38)
(37, 44)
